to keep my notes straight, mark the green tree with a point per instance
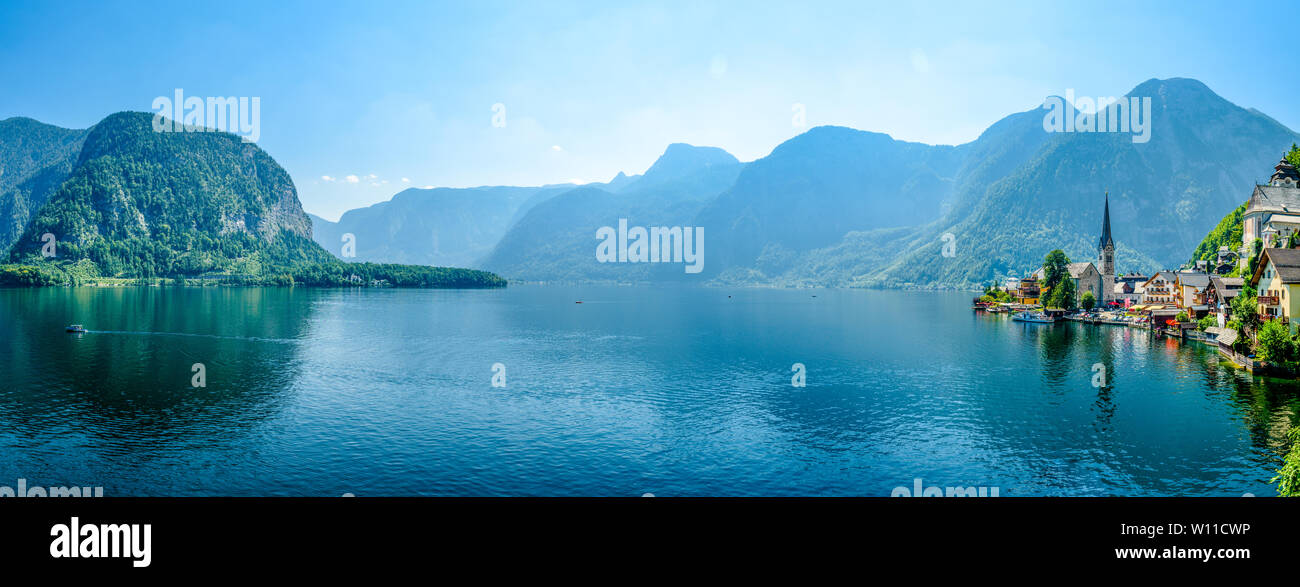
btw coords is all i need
(1055, 268)
(1257, 248)
(1274, 342)
(1063, 296)
(1182, 316)
(1244, 309)
(1293, 156)
(1088, 301)
(1288, 477)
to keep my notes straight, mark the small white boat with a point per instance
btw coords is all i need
(76, 328)
(1035, 317)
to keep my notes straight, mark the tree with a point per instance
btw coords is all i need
(1244, 308)
(1182, 316)
(1275, 344)
(1257, 247)
(1056, 266)
(1088, 301)
(1293, 156)
(1288, 477)
(1063, 296)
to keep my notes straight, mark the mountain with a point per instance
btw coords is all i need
(141, 203)
(150, 203)
(556, 240)
(814, 189)
(1227, 233)
(442, 226)
(35, 158)
(1203, 157)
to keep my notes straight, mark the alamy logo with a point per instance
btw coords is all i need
(657, 244)
(240, 116)
(51, 247)
(919, 490)
(36, 491)
(74, 540)
(1106, 114)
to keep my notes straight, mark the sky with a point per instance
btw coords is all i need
(359, 100)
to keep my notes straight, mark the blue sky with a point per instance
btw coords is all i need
(387, 91)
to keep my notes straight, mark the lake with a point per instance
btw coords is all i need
(670, 391)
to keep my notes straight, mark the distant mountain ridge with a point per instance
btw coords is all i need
(832, 206)
(555, 240)
(35, 158)
(438, 226)
(1203, 158)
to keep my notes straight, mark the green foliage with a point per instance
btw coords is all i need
(1227, 233)
(1293, 156)
(1088, 301)
(1055, 268)
(1207, 321)
(1257, 248)
(49, 273)
(1288, 477)
(142, 205)
(1244, 308)
(1063, 295)
(35, 158)
(1182, 316)
(1274, 342)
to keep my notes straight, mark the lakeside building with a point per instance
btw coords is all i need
(1219, 294)
(1190, 292)
(1129, 288)
(1159, 289)
(1028, 292)
(1086, 279)
(1273, 211)
(1277, 279)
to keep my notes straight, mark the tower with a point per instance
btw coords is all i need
(1106, 255)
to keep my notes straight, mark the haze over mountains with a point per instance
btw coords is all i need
(842, 207)
(830, 207)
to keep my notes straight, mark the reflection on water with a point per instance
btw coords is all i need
(670, 391)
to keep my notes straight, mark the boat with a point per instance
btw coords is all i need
(1036, 317)
(77, 328)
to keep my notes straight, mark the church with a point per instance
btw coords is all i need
(1273, 213)
(1098, 278)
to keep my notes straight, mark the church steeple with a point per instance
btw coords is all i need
(1106, 255)
(1105, 227)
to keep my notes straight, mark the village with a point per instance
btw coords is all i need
(1242, 300)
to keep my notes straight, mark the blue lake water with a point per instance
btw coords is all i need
(672, 391)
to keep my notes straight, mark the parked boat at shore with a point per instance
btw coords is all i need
(1035, 317)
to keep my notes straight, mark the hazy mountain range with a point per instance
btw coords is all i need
(842, 207)
(832, 206)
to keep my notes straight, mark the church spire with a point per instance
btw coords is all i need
(1105, 226)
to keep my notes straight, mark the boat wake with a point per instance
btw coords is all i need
(185, 334)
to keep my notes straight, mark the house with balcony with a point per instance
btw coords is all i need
(1160, 288)
(1218, 296)
(1028, 291)
(1190, 292)
(1277, 285)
